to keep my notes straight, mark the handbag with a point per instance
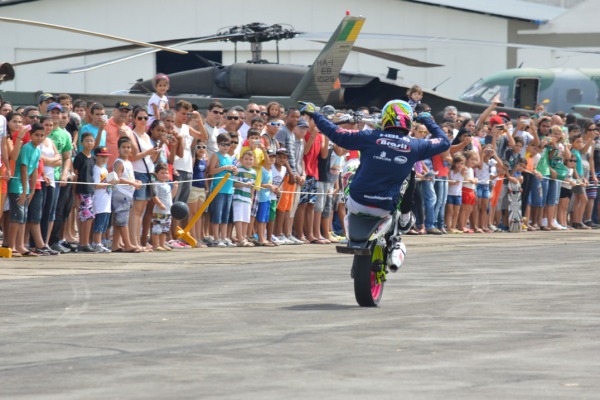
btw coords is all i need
(150, 189)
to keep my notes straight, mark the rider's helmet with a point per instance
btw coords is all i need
(396, 114)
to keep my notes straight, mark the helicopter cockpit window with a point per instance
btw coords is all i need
(481, 92)
(574, 96)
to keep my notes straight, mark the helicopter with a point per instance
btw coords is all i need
(259, 81)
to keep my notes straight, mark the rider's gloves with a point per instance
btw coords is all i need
(308, 109)
(422, 116)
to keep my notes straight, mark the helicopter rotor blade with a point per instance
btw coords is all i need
(100, 64)
(90, 33)
(411, 62)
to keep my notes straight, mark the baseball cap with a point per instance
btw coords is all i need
(101, 151)
(496, 120)
(123, 105)
(504, 116)
(302, 123)
(283, 150)
(596, 119)
(53, 106)
(45, 96)
(270, 152)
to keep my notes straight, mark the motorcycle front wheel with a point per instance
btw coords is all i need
(368, 288)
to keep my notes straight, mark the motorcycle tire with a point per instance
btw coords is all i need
(367, 290)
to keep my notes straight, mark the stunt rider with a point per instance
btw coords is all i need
(387, 157)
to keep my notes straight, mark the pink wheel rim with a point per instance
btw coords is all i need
(375, 287)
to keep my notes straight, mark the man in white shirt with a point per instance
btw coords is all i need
(252, 110)
(212, 121)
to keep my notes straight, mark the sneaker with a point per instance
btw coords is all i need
(176, 244)
(294, 240)
(107, 243)
(183, 244)
(229, 243)
(74, 247)
(221, 243)
(592, 224)
(208, 240)
(50, 251)
(87, 249)
(60, 248)
(406, 221)
(544, 222)
(101, 249)
(434, 231)
(283, 240)
(41, 251)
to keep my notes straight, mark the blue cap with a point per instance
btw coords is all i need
(302, 123)
(53, 106)
(597, 119)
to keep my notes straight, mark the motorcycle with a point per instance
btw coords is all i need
(371, 240)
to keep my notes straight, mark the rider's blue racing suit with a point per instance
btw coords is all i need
(386, 159)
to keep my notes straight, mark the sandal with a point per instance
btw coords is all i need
(266, 244)
(478, 230)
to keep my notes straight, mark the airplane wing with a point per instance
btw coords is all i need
(319, 80)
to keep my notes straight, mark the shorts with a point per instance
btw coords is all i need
(483, 191)
(308, 191)
(220, 208)
(535, 196)
(550, 192)
(322, 189)
(254, 208)
(468, 196)
(145, 192)
(183, 192)
(35, 207)
(18, 213)
(578, 189)
(454, 200)
(121, 204)
(241, 211)
(85, 207)
(197, 194)
(287, 199)
(161, 223)
(264, 208)
(565, 193)
(273, 210)
(592, 192)
(101, 221)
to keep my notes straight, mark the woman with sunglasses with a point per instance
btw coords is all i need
(143, 156)
(199, 190)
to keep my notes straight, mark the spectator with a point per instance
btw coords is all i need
(456, 176)
(122, 198)
(101, 200)
(51, 159)
(199, 190)
(161, 216)
(83, 165)
(242, 197)
(211, 124)
(116, 127)
(159, 101)
(220, 164)
(21, 188)
(96, 127)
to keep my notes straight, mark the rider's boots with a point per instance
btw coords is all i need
(396, 254)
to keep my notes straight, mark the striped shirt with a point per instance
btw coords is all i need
(244, 194)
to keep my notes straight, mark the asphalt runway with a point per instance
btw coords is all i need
(503, 316)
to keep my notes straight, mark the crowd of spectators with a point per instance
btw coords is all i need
(75, 180)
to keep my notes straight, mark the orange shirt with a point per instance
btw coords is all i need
(112, 141)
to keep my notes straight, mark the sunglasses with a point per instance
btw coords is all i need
(264, 113)
(142, 118)
(572, 160)
(200, 146)
(274, 123)
(232, 118)
(592, 129)
(235, 142)
(254, 111)
(225, 144)
(34, 116)
(217, 112)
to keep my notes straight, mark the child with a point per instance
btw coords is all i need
(415, 95)
(159, 101)
(161, 214)
(20, 188)
(580, 174)
(455, 179)
(278, 172)
(242, 197)
(198, 190)
(515, 179)
(122, 197)
(83, 164)
(468, 191)
(485, 174)
(264, 203)
(566, 191)
(221, 163)
(102, 197)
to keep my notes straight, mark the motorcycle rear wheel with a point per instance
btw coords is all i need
(367, 290)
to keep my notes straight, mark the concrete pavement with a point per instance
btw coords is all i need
(469, 316)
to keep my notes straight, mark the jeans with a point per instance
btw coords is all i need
(63, 209)
(441, 192)
(429, 200)
(418, 204)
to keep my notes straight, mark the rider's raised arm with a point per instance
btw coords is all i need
(348, 139)
(438, 143)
